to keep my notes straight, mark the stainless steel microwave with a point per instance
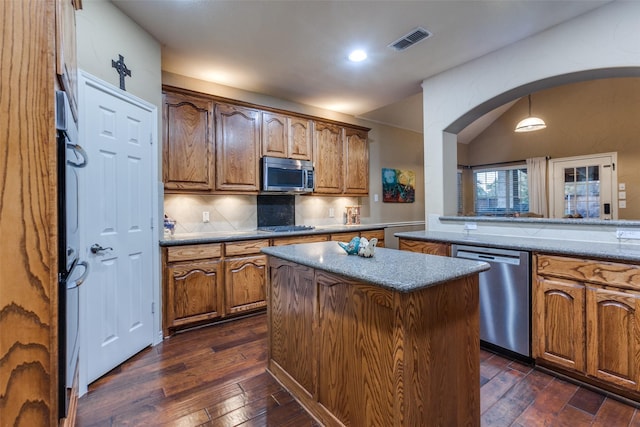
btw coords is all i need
(287, 175)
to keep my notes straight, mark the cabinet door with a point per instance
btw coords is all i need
(558, 322)
(237, 148)
(245, 281)
(613, 336)
(429, 248)
(187, 150)
(292, 307)
(193, 293)
(327, 152)
(356, 162)
(378, 234)
(274, 135)
(300, 138)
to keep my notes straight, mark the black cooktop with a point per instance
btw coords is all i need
(285, 228)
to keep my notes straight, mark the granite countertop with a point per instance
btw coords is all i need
(229, 236)
(609, 251)
(399, 271)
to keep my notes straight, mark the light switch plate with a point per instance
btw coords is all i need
(622, 204)
(622, 186)
(205, 216)
(470, 226)
(622, 195)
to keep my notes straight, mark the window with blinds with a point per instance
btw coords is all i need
(501, 191)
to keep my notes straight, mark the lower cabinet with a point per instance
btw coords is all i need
(245, 276)
(193, 288)
(586, 318)
(204, 283)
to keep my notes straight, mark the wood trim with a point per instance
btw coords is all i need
(217, 98)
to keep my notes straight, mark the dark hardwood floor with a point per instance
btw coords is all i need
(215, 376)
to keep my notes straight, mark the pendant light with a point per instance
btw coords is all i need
(530, 124)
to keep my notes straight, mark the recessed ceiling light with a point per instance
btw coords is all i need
(358, 55)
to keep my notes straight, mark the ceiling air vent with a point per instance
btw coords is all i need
(414, 36)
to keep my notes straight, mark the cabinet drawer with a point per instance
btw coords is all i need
(370, 234)
(193, 252)
(300, 239)
(245, 247)
(599, 272)
(344, 237)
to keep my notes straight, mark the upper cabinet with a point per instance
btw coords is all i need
(356, 162)
(187, 143)
(327, 150)
(286, 136)
(214, 145)
(300, 138)
(237, 148)
(66, 56)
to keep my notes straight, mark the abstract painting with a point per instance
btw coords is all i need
(398, 186)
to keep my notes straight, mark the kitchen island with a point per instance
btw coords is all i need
(391, 340)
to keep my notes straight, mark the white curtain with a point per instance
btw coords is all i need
(537, 179)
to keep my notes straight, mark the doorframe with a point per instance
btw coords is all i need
(586, 157)
(87, 80)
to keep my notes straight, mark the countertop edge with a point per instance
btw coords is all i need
(604, 251)
(222, 237)
(417, 271)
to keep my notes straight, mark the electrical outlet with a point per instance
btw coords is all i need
(331, 213)
(628, 233)
(470, 226)
(205, 216)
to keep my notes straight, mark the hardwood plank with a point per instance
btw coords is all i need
(505, 411)
(496, 388)
(546, 408)
(613, 413)
(245, 394)
(587, 400)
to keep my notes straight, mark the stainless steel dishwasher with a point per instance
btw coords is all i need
(505, 296)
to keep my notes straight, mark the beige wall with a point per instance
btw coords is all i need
(103, 33)
(591, 117)
(389, 147)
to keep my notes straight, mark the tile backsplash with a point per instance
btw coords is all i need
(238, 213)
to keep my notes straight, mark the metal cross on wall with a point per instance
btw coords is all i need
(122, 69)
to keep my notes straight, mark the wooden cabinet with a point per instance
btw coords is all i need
(193, 285)
(378, 234)
(586, 319)
(300, 138)
(310, 238)
(187, 151)
(286, 136)
(214, 146)
(237, 148)
(327, 154)
(291, 316)
(431, 248)
(558, 322)
(369, 234)
(245, 276)
(66, 55)
(356, 162)
(29, 334)
(613, 336)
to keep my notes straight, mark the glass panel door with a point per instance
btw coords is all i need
(582, 187)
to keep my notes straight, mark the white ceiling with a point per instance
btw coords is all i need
(297, 49)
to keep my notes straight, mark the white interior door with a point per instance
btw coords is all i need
(584, 186)
(118, 240)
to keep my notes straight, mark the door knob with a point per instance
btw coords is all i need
(97, 249)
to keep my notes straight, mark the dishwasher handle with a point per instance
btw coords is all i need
(500, 259)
